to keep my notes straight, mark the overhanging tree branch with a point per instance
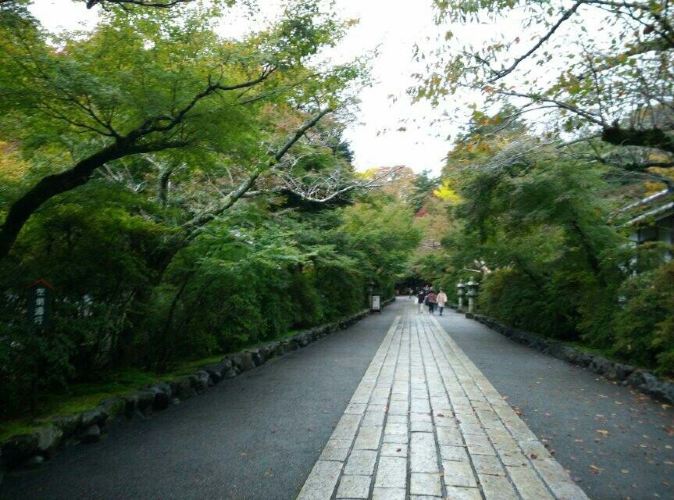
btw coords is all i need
(135, 142)
(52, 185)
(165, 123)
(142, 3)
(233, 196)
(567, 14)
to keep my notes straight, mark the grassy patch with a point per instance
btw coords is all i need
(14, 428)
(86, 396)
(189, 367)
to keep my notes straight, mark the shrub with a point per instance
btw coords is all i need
(644, 327)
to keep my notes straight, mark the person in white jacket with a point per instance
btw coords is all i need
(441, 300)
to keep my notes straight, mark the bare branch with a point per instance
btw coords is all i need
(591, 117)
(567, 14)
(333, 186)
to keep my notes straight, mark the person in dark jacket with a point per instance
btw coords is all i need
(421, 296)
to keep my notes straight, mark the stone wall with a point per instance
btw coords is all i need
(642, 380)
(88, 427)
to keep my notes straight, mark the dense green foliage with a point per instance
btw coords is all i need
(543, 233)
(252, 276)
(185, 194)
(644, 328)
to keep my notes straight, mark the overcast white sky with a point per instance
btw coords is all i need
(394, 26)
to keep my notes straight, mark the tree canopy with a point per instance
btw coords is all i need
(144, 84)
(593, 68)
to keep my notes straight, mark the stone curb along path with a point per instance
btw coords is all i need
(87, 427)
(426, 423)
(642, 380)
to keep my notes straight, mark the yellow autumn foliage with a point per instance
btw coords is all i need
(12, 167)
(446, 193)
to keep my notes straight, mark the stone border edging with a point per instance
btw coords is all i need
(87, 427)
(642, 380)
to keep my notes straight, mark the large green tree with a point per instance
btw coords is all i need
(142, 84)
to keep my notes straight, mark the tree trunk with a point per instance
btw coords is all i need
(163, 184)
(53, 185)
(47, 188)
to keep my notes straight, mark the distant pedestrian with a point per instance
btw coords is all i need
(431, 299)
(421, 296)
(442, 300)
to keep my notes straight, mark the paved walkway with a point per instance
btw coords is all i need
(616, 442)
(424, 422)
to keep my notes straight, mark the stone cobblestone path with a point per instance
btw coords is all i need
(424, 422)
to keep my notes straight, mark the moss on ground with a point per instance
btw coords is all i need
(606, 353)
(86, 396)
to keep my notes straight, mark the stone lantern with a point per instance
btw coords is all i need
(472, 287)
(460, 292)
